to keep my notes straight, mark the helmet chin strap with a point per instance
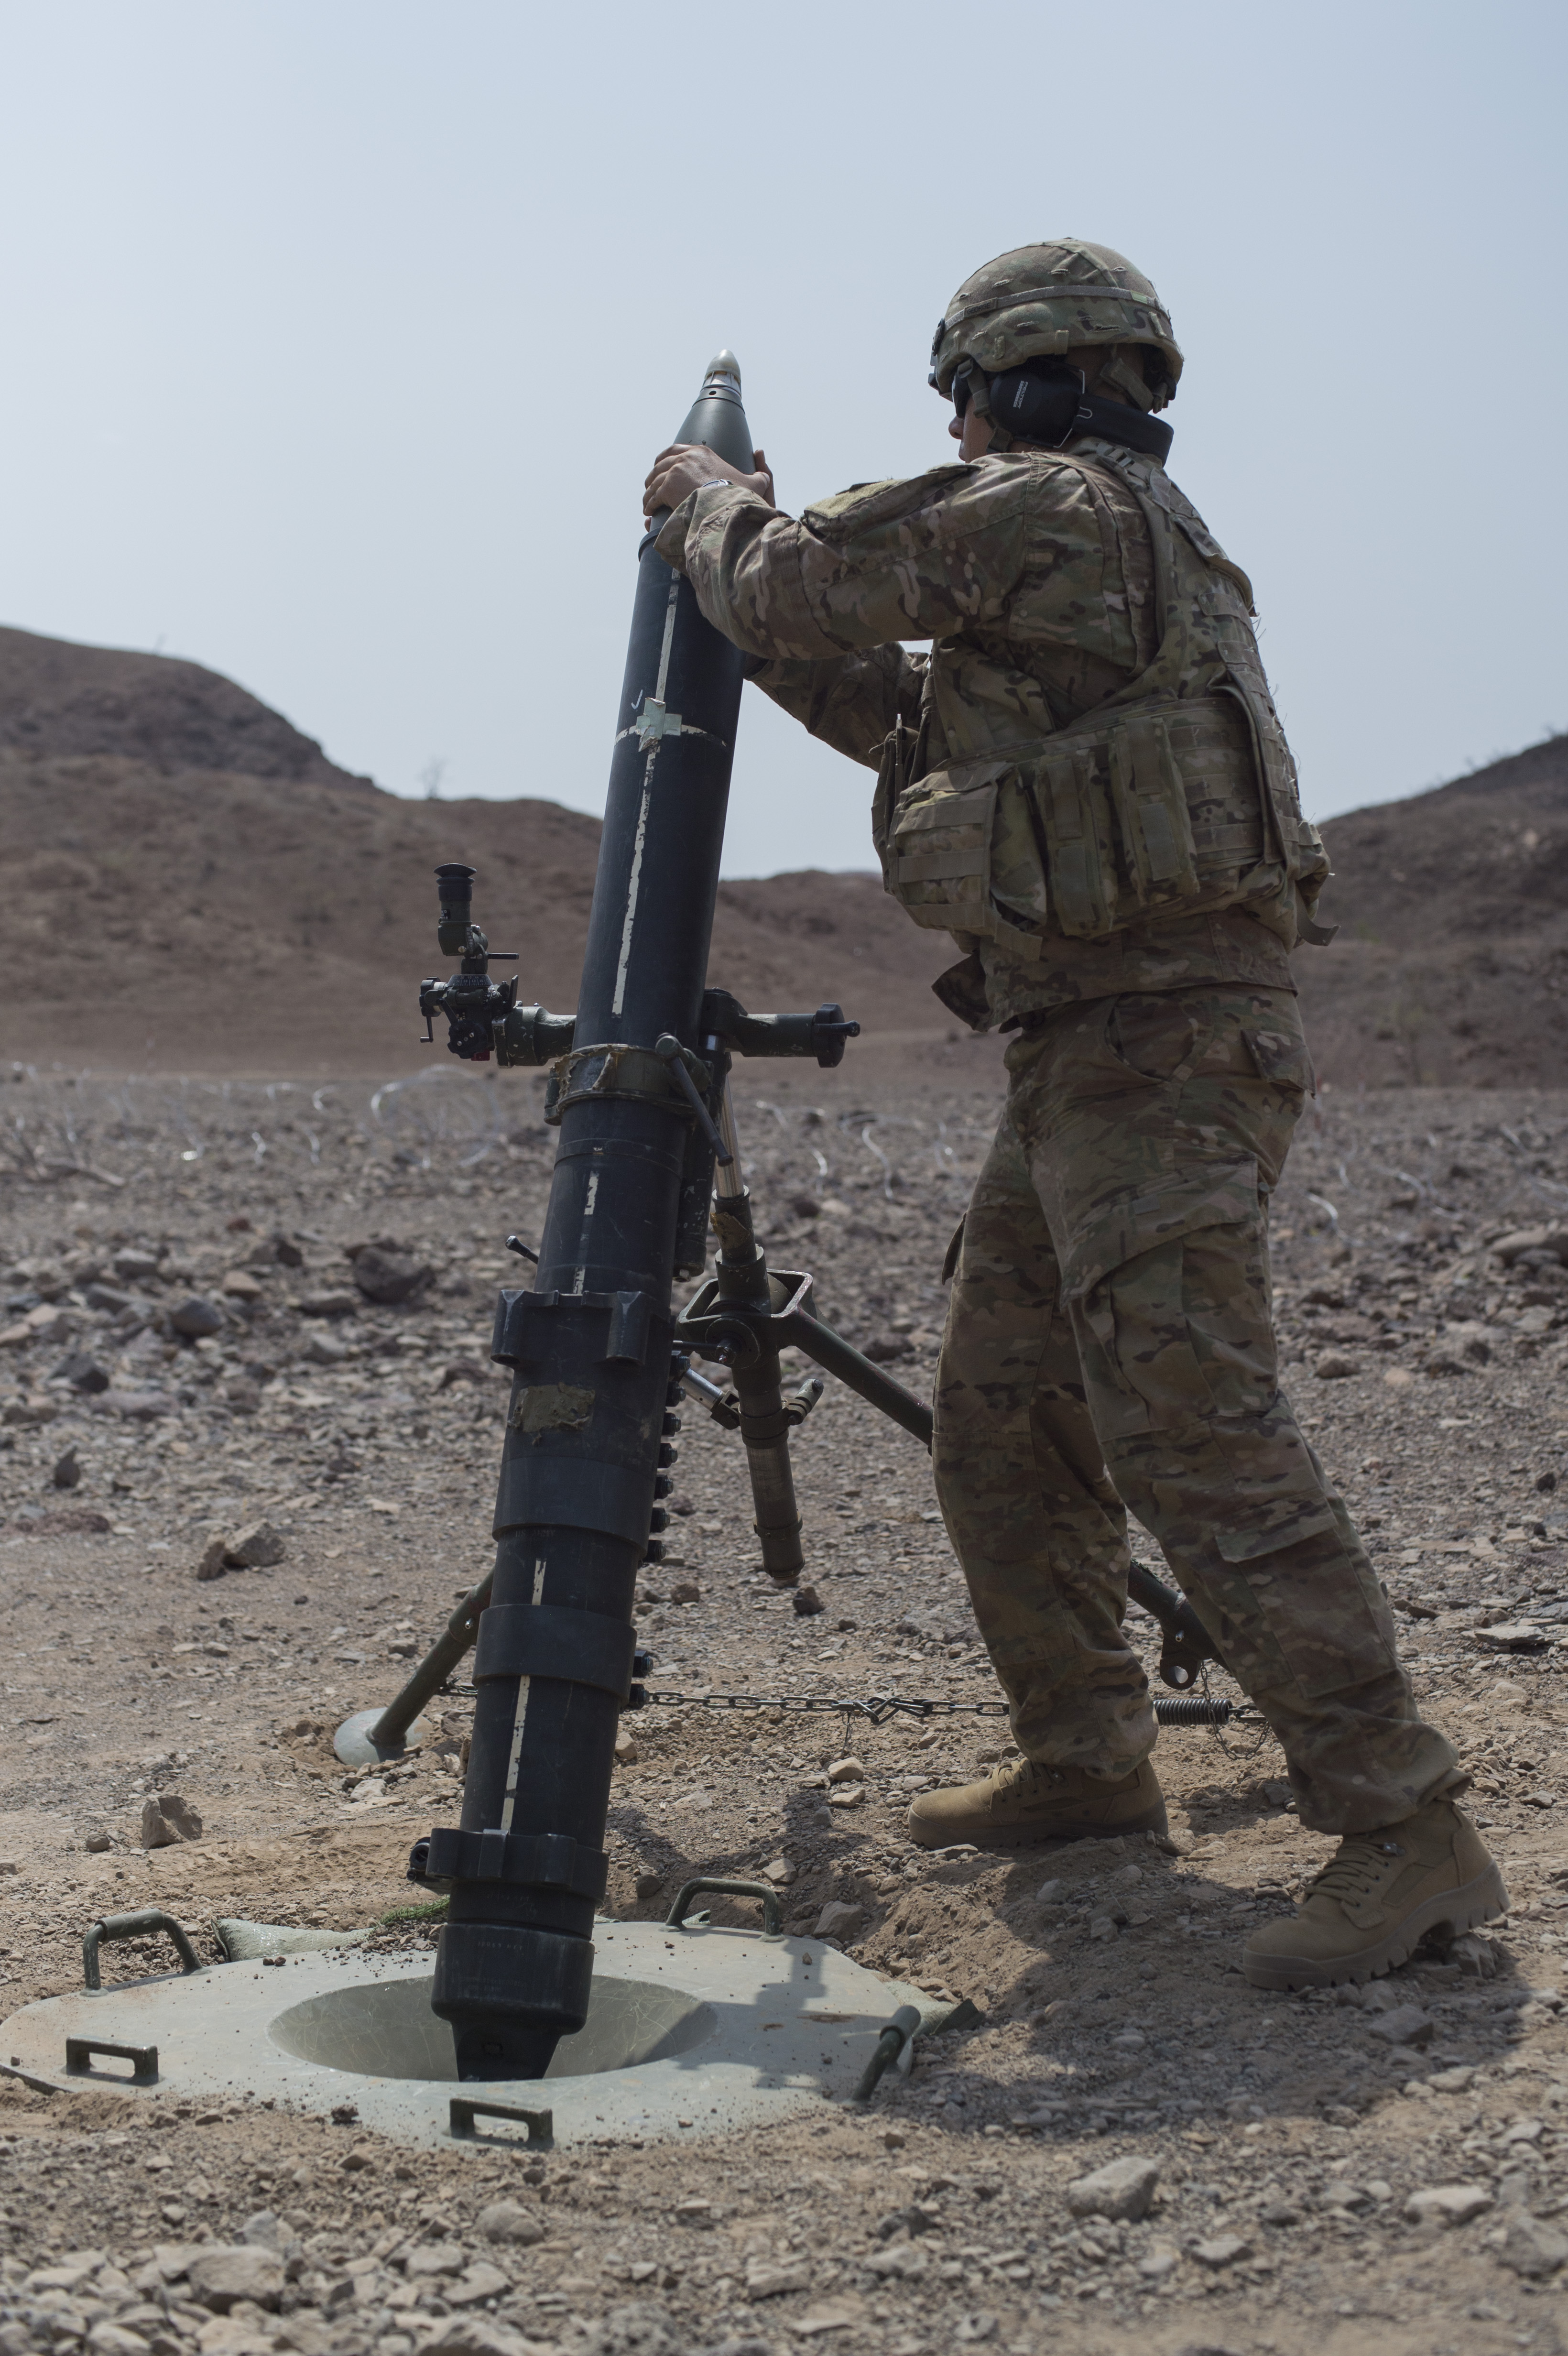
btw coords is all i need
(1119, 376)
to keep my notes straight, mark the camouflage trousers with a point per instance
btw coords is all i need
(1110, 1347)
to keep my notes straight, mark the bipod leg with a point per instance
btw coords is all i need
(766, 1419)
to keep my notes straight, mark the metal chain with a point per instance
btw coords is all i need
(1183, 1710)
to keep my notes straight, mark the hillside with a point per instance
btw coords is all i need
(58, 699)
(191, 884)
(1452, 960)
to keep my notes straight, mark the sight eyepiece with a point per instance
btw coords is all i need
(456, 884)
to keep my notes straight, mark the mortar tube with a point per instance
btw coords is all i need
(589, 1345)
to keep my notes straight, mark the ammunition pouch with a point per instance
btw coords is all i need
(553, 1640)
(544, 1861)
(1157, 811)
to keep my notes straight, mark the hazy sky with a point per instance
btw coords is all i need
(338, 339)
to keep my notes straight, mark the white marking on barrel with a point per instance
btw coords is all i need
(633, 885)
(515, 1754)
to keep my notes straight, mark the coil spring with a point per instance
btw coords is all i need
(1193, 1709)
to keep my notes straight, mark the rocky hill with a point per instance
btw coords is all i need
(1451, 965)
(191, 884)
(58, 699)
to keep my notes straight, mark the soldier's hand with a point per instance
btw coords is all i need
(681, 469)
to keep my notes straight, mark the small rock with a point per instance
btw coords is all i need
(263, 2231)
(837, 1921)
(167, 1819)
(1405, 2025)
(327, 1350)
(648, 1886)
(240, 1285)
(1335, 1365)
(904, 2260)
(256, 1548)
(1221, 2250)
(626, 1748)
(1450, 2081)
(1476, 1955)
(694, 2212)
(98, 1841)
(1447, 2204)
(196, 1318)
(84, 1374)
(765, 2279)
(1512, 1636)
(846, 1796)
(478, 2281)
(508, 2221)
(882, 1348)
(1101, 1926)
(67, 1473)
(134, 1265)
(1159, 2261)
(847, 1771)
(229, 2272)
(214, 1562)
(428, 2260)
(336, 1303)
(806, 1603)
(780, 1872)
(1123, 2189)
(478, 2335)
(387, 1277)
(1530, 2246)
(113, 2339)
(686, 1591)
(631, 2330)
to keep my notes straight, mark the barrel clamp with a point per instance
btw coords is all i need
(616, 1071)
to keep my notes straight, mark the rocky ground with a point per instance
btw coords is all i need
(188, 1351)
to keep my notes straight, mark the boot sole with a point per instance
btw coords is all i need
(1460, 1910)
(1149, 1820)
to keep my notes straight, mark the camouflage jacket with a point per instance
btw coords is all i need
(1086, 781)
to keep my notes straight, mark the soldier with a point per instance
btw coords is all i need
(1086, 784)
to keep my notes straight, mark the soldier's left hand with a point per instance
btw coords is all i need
(681, 469)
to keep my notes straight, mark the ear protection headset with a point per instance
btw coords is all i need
(1043, 400)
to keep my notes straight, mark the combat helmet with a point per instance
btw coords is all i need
(1041, 300)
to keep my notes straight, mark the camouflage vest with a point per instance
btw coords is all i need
(1176, 795)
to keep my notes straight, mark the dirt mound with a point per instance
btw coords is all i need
(244, 912)
(60, 699)
(208, 921)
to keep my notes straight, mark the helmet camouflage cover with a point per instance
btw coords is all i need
(1045, 299)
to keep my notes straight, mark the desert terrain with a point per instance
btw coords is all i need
(215, 1103)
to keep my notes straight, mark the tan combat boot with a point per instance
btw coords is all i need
(1376, 1900)
(1022, 1801)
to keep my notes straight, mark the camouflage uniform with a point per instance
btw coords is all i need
(1087, 785)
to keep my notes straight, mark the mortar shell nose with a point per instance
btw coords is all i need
(724, 363)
